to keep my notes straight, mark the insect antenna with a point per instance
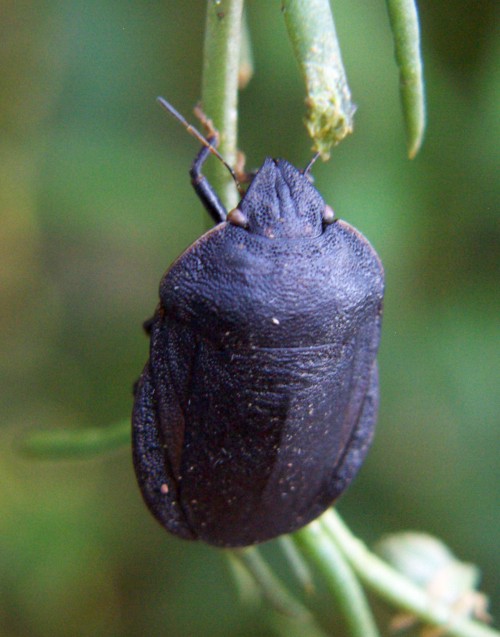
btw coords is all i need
(307, 169)
(201, 138)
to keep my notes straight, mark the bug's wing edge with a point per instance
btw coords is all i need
(156, 481)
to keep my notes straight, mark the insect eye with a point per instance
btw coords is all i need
(237, 218)
(328, 215)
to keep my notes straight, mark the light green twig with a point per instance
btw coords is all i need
(58, 444)
(396, 589)
(405, 29)
(297, 563)
(219, 95)
(276, 593)
(341, 581)
(329, 108)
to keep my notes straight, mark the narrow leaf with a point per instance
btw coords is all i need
(403, 16)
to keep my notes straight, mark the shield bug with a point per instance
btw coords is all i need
(258, 402)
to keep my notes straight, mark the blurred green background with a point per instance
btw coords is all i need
(95, 203)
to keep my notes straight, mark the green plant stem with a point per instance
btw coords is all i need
(276, 593)
(219, 95)
(403, 17)
(311, 30)
(76, 443)
(297, 563)
(248, 590)
(390, 585)
(341, 581)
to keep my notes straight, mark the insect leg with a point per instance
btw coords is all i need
(204, 189)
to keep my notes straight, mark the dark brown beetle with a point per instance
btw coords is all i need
(258, 403)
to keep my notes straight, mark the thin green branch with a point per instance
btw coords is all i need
(247, 588)
(403, 17)
(297, 563)
(311, 30)
(219, 95)
(396, 589)
(341, 581)
(276, 593)
(58, 444)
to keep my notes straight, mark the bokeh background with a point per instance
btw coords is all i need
(95, 203)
